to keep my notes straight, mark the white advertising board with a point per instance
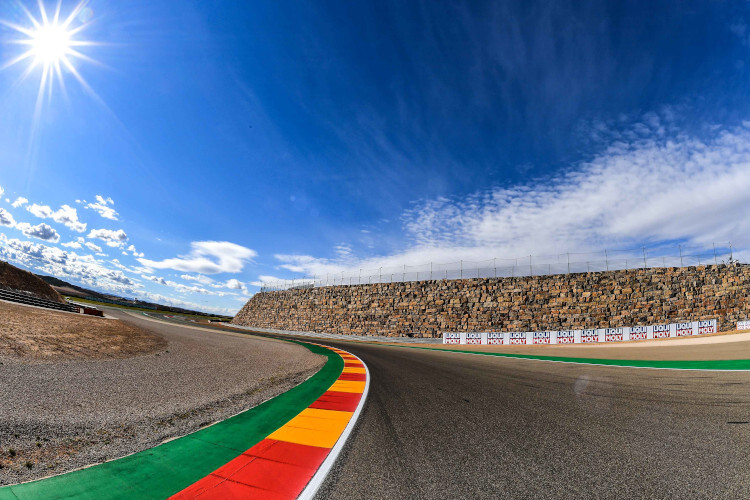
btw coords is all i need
(743, 325)
(662, 331)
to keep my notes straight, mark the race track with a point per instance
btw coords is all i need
(446, 425)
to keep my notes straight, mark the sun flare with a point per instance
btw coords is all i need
(52, 44)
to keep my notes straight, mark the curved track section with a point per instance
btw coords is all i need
(444, 425)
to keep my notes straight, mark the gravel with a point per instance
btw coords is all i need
(57, 416)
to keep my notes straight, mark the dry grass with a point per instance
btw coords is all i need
(40, 334)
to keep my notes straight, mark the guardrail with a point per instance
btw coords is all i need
(31, 300)
(661, 331)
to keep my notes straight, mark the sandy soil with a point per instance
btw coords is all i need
(62, 413)
(46, 334)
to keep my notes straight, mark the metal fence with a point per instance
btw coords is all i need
(530, 265)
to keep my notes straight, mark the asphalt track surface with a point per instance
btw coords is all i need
(449, 425)
(446, 425)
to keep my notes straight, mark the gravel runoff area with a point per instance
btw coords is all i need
(60, 415)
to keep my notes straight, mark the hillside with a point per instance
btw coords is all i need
(18, 279)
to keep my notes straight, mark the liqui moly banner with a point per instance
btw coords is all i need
(661, 331)
(702, 327)
(516, 338)
(474, 338)
(614, 334)
(589, 336)
(743, 325)
(542, 337)
(451, 338)
(638, 333)
(495, 338)
(566, 337)
(684, 329)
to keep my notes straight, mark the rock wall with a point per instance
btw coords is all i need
(557, 302)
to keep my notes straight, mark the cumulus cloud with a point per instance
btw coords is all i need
(6, 219)
(40, 231)
(207, 257)
(133, 251)
(104, 207)
(66, 215)
(93, 247)
(646, 187)
(155, 279)
(112, 238)
(19, 201)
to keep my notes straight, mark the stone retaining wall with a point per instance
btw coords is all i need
(557, 302)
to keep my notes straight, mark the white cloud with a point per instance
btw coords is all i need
(135, 253)
(111, 238)
(207, 257)
(40, 231)
(19, 201)
(155, 279)
(235, 284)
(88, 271)
(104, 206)
(644, 188)
(6, 219)
(199, 278)
(1, 190)
(93, 247)
(66, 215)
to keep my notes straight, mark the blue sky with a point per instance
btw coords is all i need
(217, 144)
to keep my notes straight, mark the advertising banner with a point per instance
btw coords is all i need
(614, 334)
(566, 337)
(638, 333)
(542, 337)
(743, 325)
(684, 329)
(589, 336)
(516, 338)
(474, 338)
(660, 331)
(451, 338)
(704, 327)
(495, 338)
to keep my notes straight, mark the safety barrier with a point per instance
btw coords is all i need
(24, 298)
(661, 331)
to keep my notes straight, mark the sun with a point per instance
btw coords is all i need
(52, 44)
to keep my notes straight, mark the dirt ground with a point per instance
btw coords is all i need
(41, 334)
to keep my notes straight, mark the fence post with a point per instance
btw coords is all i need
(380, 275)
(644, 258)
(462, 269)
(731, 253)
(360, 276)
(606, 259)
(430, 271)
(680, 246)
(568, 254)
(531, 267)
(403, 275)
(716, 262)
(494, 264)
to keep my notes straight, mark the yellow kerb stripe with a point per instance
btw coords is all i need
(348, 386)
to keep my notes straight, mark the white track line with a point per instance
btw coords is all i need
(320, 476)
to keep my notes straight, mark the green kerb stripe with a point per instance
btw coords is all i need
(719, 364)
(170, 467)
